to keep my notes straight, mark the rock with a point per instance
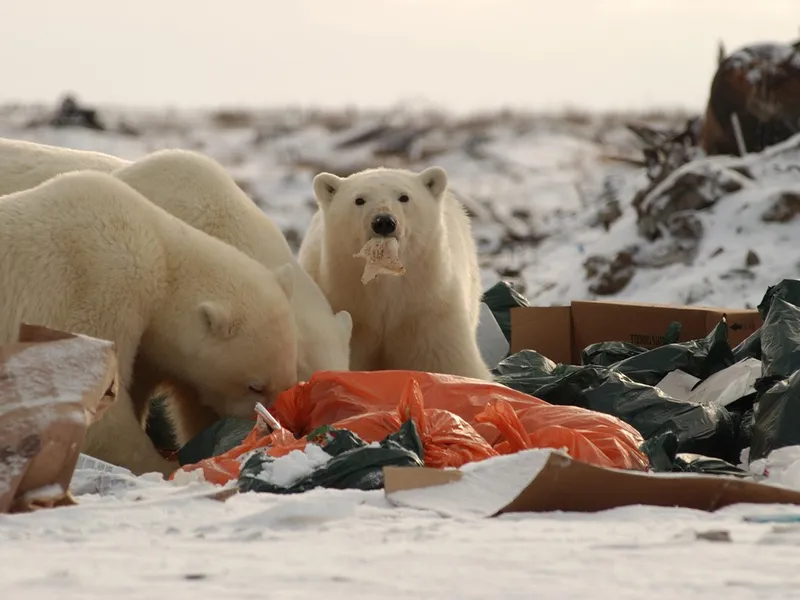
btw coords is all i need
(784, 208)
(751, 260)
(610, 276)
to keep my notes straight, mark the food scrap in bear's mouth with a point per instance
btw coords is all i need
(382, 258)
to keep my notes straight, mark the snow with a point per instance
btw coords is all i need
(287, 470)
(160, 540)
(536, 185)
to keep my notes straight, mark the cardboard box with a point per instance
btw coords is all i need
(562, 332)
(549, 480)
(69, 379)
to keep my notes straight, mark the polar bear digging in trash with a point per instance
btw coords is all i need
(86, 253)
(199, 191)
(423, 316)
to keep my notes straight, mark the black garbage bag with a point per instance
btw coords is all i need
(787, 289)
(700, 358)
(501, 298)
(662, 452)
(707, 430)
(745, 429)
(606, 354)
(696, 463)
(777, 420)
(354, 463)
(780, 340)
(223, 435)
(749, 348)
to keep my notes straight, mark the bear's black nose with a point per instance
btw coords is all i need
(384, 224)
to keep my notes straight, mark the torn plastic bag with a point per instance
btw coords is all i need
(354, 464)
(501, 298)
(780, 340)
(707, 430)
(605, 354)
(700, 358)
(777, 418)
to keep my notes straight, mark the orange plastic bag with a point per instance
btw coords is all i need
(459, 420)
(332, 396)
(589, 436)
(447, 440)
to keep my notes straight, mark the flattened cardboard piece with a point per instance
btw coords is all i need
(53, 384)
(564, 484)
(478, 489)
(548, 329)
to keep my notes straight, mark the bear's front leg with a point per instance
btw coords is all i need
(118, 438)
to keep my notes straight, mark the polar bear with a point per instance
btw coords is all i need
(425, 319)
(24, 165)
(86, 253)
(199, 191)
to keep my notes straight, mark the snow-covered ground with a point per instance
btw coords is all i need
(535, 186)
(148, 539)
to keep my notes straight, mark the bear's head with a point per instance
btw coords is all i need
(383, 202)
(242, 340)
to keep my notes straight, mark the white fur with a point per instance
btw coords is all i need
(424, 320)
(199, 191)
(86, 253)
(24, 165)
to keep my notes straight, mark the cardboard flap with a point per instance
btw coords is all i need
(562, 332)
(52, 386)
(570, 485)
(642, 324)
(555, 482)
(546, 329)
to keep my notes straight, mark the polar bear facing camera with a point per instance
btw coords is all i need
(86, 253)
(425, 319)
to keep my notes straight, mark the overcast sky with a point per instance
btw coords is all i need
(460, 54)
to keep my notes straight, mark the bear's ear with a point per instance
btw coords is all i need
(325, 186)
(285, 276)
(435, 179)
(217, 319)
(345, 321)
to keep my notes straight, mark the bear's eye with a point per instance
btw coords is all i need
(403, 198)
(256, 388)
(359, 201)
